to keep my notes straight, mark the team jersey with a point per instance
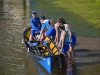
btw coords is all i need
(35, 23)
(46, 24)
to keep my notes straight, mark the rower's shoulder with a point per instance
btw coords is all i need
(56, 25)
(66, 25)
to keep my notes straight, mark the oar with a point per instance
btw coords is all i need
(35, 44)
(37, 50)
(34, 50)
(31, 46)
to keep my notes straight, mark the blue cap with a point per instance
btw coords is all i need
(33, 12)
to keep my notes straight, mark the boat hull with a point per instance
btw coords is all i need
(45, 60)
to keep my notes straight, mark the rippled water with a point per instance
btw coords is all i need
(13, 59)
(14, 18)
(87, 62)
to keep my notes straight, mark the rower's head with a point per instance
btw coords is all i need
(34, 13)
(42, 19)
(61, 21)
(61, 28)
(51, 21)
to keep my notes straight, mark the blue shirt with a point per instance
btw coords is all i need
(46, 24)
(66, 30)
(67, 37)
(35, 23)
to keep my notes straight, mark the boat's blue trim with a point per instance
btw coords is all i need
(45, 62)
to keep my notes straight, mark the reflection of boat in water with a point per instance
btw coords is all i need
(45, 54)
(67, 66)
(70, 67)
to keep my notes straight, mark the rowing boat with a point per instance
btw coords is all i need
(45, 54)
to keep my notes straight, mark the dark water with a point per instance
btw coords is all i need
(14, 18)
(13, 59)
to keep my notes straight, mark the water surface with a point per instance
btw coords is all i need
(14, 59)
